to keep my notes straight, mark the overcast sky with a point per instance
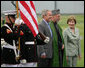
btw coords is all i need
(64, 6)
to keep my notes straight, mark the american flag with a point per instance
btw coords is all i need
(28, 15)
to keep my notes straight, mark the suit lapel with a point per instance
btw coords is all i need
(46, 27)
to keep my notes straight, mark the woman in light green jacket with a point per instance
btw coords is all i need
(72, 42)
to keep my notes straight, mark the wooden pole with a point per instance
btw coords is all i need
(19, 37)
(17, 9)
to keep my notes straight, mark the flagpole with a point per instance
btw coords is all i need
(19, 37)
(17, 9)
(31, 24)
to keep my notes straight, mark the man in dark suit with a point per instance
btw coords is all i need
(45, 52)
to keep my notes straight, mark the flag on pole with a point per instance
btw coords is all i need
(28, 15)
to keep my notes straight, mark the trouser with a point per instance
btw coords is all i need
(32, 64)
(72, 61)
(60, 58)
(44, 62)
(9, 65)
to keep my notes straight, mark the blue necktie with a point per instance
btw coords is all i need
(50, 29)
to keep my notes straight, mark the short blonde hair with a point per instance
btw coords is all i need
(70, 18)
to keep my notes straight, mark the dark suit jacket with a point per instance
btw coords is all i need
(47, 48)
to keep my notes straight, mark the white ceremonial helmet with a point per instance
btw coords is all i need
(10, 12)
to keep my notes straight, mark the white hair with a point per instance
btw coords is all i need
(44, 13)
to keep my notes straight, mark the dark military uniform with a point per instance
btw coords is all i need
(8, 55)
(28, 50)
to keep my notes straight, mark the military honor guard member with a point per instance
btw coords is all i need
(28, 46)
(8, 53)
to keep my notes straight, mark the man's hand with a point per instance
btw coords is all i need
(79, 57)
(21, 33)
(43, 55)
(62, 46)
(47, 40)
(8, 31)
(67, 58)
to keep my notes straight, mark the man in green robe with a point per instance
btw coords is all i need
(59, 55)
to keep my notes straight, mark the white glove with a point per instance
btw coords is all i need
(3, 42)
(21, 21)
(23, 61)
(17, 21)
(47, 40)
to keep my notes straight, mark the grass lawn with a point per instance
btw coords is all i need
(80, 25)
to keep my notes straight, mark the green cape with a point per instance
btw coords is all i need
(55, 61)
